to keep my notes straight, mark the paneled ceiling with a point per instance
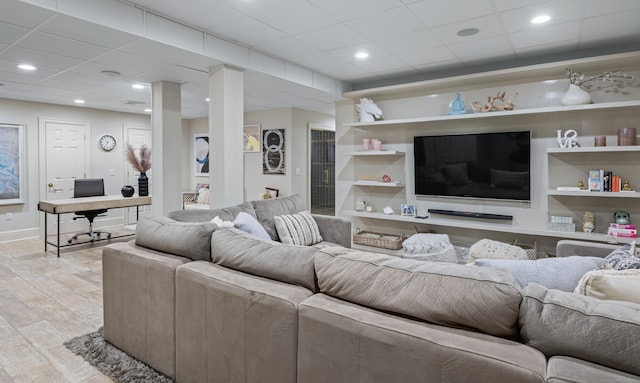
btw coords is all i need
(79, 56)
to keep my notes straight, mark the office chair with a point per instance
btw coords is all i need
(90, 187)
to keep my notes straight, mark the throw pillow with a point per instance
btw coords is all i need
(619, 285)
(562, 273)
(249, 224)
(624, 257)
(487, 248)
(186, 239)
(298, 229)
(218, 221)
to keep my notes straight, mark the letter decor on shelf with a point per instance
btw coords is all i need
(568, 140)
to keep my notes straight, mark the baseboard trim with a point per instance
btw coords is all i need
(18, 235)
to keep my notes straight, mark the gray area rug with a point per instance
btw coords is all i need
(113, 362)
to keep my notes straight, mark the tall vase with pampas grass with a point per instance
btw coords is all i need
(142, 164)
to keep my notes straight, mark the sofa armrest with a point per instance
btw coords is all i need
(567, 248)
(334, 229)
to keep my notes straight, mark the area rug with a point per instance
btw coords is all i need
(113, 362)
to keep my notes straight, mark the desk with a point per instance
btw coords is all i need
(73, 205)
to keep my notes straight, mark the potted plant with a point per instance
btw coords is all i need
(579, 84)
(141, 164)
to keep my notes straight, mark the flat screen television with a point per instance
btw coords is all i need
(483, 165)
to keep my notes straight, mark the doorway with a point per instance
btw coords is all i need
(66, 157)
(322, 163)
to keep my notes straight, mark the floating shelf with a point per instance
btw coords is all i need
(594, 149)
(379, 184)
(489, 225)
(376, 153)
(592, 194)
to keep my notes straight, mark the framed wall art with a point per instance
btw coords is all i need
(273, 151)
(251, 138)
(11, 164)
(201, 155)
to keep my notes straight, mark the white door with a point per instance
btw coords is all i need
(65, 159)
(136, 137)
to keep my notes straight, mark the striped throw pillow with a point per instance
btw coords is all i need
(297, 229)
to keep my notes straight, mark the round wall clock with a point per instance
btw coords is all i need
(107, 142)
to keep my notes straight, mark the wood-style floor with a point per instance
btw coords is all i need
(44, 301)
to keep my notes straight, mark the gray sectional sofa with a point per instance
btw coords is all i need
(205, 304)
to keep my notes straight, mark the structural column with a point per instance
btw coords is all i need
(166, 128)
(226, 119)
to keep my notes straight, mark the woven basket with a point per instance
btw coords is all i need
(531, 250)
(377, 239)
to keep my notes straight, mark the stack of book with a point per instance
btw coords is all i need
(603, 180)
(622, 230)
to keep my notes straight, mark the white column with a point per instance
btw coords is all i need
(226, 118)
(166, 128)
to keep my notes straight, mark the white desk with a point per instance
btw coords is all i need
(72, 205)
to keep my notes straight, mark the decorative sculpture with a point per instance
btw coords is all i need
(369, 111)
(568, 140)
(621, 217)
(496, 103)
(457, 106)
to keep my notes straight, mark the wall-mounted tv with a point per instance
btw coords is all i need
(484, 165)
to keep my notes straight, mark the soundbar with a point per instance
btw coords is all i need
(471, 214)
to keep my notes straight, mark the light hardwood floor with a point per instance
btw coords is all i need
(44, 301)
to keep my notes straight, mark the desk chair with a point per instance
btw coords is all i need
(90, 187)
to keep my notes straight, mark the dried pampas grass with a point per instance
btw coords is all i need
(142, 164)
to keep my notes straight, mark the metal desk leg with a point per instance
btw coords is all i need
(58, 235)
(45, 231)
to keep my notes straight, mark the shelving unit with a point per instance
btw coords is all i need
(552, 167)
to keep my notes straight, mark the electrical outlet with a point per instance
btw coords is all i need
(9, 216)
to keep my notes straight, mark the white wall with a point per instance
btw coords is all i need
(295, 122)
(26, 218)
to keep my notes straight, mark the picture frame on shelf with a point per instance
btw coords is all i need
(407, 210)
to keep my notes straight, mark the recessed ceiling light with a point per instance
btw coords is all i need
(110, 73)
(137, 86)
(26, 67)
(78, 101)
(362, 55)
(540, 19)
(207, 99)
(148, 110)
(468, 32)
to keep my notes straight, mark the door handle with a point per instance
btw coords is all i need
(50, 185)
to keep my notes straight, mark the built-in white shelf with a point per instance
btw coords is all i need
(376, 153)
(609, 106)
(592, 194)
(379, 184)
(488, 225)
(594, 149)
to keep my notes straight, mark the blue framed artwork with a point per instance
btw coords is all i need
(11, 164)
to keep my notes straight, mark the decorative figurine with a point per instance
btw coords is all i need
(568, 140)
(388, 210)
(369, 111)
(622, 217)
(386, 178)
(457, 106)
(588, 222)
(626, 186)
(496, 103)
(581, 185)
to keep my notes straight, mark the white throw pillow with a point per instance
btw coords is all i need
(298, 229)
(218, 221)
(489, 249)
(249, 224)
(619, 285)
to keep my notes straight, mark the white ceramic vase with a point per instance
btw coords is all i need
(575, 96)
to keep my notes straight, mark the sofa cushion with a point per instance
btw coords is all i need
(266, 209)
(238, 250)
(187, 239)
(452, 295)
(297, 229)
(620, 285)
(249, 224)
(561, 323)
(206, 215)
(554, 273)
(624, 257)
(562, 369)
